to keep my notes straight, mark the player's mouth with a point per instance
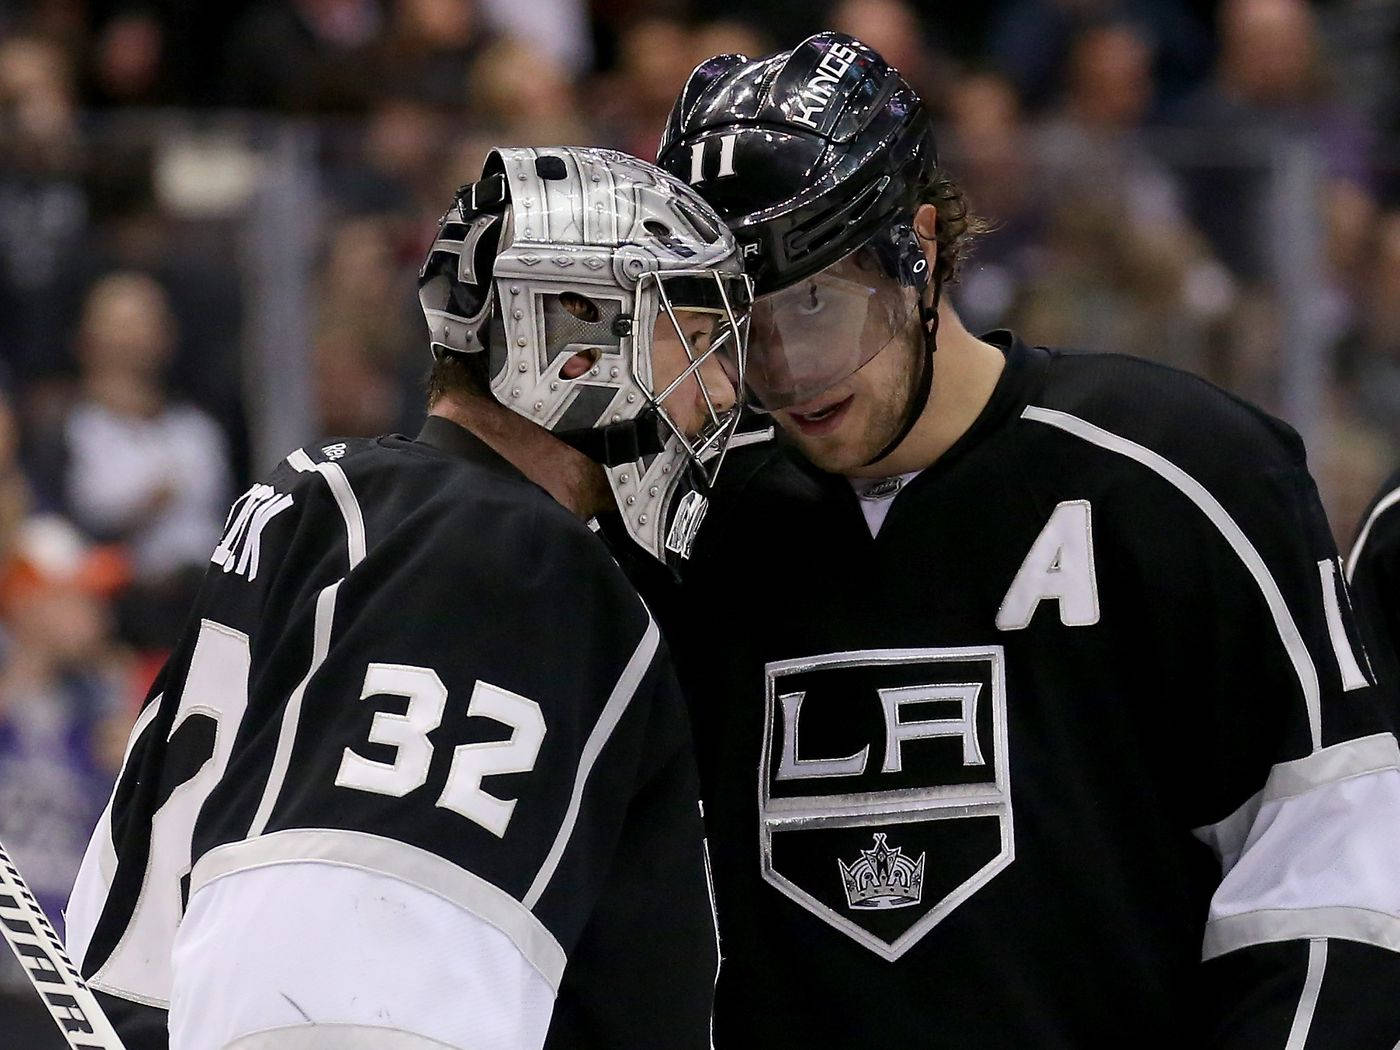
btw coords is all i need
(822, 420)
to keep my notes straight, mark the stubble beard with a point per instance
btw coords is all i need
(883, 421)
(888, 414)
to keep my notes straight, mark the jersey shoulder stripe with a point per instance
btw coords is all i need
(1228, 528)
(1198, 425)
(1381, 523)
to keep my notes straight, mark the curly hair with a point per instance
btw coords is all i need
(958, 227)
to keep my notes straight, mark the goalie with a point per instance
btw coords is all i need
(418, 776)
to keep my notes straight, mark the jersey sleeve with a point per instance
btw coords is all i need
(1294, 776)
(1373, 571)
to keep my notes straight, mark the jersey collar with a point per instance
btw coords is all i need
(456, 440)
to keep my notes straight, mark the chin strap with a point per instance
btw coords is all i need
(618, 443)
(928, 323)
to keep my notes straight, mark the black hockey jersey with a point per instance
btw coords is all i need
(1373, 568)
(1087, 710)
(408, 660)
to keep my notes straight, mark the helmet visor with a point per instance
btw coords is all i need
(809, 336)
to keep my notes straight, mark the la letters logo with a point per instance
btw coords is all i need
(905, 749)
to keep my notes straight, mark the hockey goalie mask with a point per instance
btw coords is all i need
(597, 289)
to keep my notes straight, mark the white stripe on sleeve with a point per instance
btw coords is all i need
(310, 945)
(1320, 856)
(1352, 675)
(344, 499)
(1350, 758)
(1382, 505)
(613, 710)
(1307, 1002)
(291, 713)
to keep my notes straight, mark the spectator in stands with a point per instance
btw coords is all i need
(127, 66)
(430, 49)
(988, 146)
(655, 55)
(519, 89)
(1092, 142)
(1270, 92)
(142, 470)
(1031, 41)
(62, 691)
(1370, 354)
(139, 469)
(43, 205)
(1117, 214)
(892, 28)
(396, 165)
(305, 56)
(367, 364)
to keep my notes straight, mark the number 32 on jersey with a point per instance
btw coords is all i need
(408, 733)
(216, 687)
(210, 709)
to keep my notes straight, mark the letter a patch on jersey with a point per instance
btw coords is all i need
(1060, 567)
(884, 793)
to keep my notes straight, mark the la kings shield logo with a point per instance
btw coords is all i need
(884, 796)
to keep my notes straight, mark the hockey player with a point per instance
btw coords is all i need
(418, 776)
(1043, 722)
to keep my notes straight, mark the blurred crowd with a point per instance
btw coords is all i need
(1156, 172)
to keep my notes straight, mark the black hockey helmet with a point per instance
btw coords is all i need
(810, 155)
(832, 145)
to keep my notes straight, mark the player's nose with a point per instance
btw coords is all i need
(717, 385)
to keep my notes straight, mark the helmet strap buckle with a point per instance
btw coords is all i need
(486, 194)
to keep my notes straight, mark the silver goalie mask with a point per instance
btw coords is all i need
(603, 295)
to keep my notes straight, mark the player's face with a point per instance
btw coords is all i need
(841, 428)
(706, 390)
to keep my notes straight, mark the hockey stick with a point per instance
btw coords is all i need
(55, 978)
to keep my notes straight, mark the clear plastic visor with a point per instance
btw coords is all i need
(808, 337)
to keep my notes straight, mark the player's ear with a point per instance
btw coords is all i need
(926, 228)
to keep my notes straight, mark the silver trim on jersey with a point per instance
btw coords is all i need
(1198, 494)
(1350, 758)
(613, 710)
(418, 867)
(1337, 762)
(291, 714)
(1307, 1002)
(1352, 675)
(1382, 505)
(1272, 925)
(344, 499)
(314, 1036)
(868, 809)
(107, 859)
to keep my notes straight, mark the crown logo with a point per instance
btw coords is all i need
(883, 878)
